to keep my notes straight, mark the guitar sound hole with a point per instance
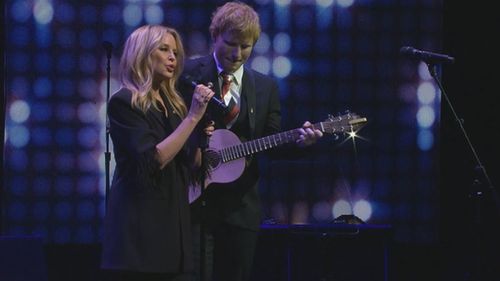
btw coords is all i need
(213, 159)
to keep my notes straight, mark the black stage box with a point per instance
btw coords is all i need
(22, 258)
(325, 252)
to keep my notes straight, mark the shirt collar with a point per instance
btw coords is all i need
(237, 75)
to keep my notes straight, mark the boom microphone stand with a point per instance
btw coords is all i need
(480, 169)
(107, 155)
(481, 178)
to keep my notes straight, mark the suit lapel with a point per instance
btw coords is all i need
(208, 73)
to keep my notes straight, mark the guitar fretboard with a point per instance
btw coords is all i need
(250, 147)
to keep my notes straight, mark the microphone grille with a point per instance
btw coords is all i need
(407, 50)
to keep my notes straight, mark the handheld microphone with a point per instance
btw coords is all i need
(193, 82)
(425, 56)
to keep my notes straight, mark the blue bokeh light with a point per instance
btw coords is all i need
(41, 112)
(42, 161)
(43, 12)
(66, 63)
(88, 14)
(21, 11)
(19, 87)
(65, 13)
(88, 38)
(19, 111)
(261, 64)
(153, 14)
(425, 140)
(425, 116)
(281, 67)
(132, 15)
(65, 87)
(18, 160)
(111, 14)
(65, 112)
(43, 62)
(41, 185)
(43, 37)
(88, 63)
(66, 38)
(86, 185)
(281, 43)
(86, 162)
(263, 44)
(19, 136)
(65, 162)
(42, 87)
(88, 137)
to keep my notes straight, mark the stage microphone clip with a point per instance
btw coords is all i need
(427, 57)
(193, 82)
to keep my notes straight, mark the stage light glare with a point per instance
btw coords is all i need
(19, 111)
(363, 210)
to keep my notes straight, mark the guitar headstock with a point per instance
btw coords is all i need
(345, 123)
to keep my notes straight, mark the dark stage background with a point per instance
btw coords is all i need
(411, 168)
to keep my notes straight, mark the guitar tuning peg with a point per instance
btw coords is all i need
(336, 137)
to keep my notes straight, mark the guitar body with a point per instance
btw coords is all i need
(223, 172)
(228, 171)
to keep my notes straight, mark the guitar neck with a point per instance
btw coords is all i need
(258, 145)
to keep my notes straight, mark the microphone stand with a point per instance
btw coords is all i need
(204, 166)
(107, 154)
(480, 170)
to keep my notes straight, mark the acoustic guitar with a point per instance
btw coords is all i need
(225, 155)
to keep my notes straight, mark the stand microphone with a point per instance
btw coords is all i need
(425, 56)
(107, 155)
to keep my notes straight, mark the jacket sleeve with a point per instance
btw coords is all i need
(134, 139)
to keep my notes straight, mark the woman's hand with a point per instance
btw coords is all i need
(201, 96)
(209, 128)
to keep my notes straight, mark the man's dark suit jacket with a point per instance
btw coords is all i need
(147, 223)
(237, 203)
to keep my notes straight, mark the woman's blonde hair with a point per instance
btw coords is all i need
(136, 67)
(235, 17)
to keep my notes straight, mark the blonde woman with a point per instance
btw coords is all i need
(147, 231)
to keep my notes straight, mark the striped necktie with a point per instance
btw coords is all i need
(232, 108)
